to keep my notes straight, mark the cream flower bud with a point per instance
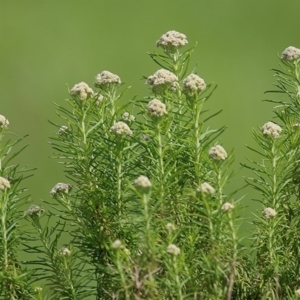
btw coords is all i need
(161, 80)
(82, 91)
(205, 188)
(4, 183)
(218, 153)
(156, 108)
(172, 40)
(116, 244)
(3, 122)
(290, 53)
(143, 183)
(34, 210)
(269, 213)
(271, 129)
(128, 117)
(173, 249)
(121, 128)
(193, 84)
(106, 78)
(297, 293)
(60, 188)
(62, 130)
(227, 206)
(170, 227)
(64, 251)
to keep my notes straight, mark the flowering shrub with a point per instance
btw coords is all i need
(145, 214)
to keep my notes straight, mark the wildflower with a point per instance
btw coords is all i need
(290, 54)
(218, 153)
(105, 78)
(206, 188)
(37, 289)
(34, 210)
(3, 122)
(4, 183)
(297, 293)
(227, 206)
(193, 84)
(62, 130)
(143, 183)
(128, 117)
(156, 108)
(173, 249)
(271, 129)
(170, 227)
(172, 40)
(99, 99)
(116, 244)
(161, 80)
(60, 188)
(145, 138)
(82, 91)
(127, 251)
(269, 213)
(64, 251)
(121, 128)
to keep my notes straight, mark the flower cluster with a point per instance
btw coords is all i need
(271, 129)
(128, 117)
(116, 244)
(82, 91)
(290, 54)
(173, 249)
(3, 122)
(143, 183)
(4, 183)
(64, 251)
(105, 78)
(60, 188)
(171, 40)
(34, 210)
(170, 227)
(156, 108)
(193, 85)
(206, 188)
(227, 206)
(269, 213)
(62, 130)
(161, 80)
(121, 128)
(218, 153)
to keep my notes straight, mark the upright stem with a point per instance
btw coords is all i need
(196, 116)
(119, 177)
(161, 171)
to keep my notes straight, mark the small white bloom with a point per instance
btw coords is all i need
(269, 213)
(64, 251)
(62, 130)
(156, 108)
(227, 206)
(37, 289)
(145, 138)
(290, 53)
(116, 244)
(128, 117)
(206, 188)
(143, 183)
(271, 129)
(170, 227)
(60, 188)
(218, 153)
(172, 40)
(161, 80)
(106, 78)
(3, 122)
(82, 91)
(173, 249)
(297, 293)
(193, 84)
(121, 128)
(99, 99)
(4, 183)
(34, 210)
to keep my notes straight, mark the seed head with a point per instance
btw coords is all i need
(269, 213)
(162, 80)
(218, 153)
(156, 108)
(3, 122)
(106, 78)
(82, 91)
(290, 54)
(193, 85)
(227, 206)
(4, 183)
(271, 129)
(121, 128)
(173, 249)
(172, 40)
(205, 188)
(60, 188)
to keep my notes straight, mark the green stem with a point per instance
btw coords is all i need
(161, 171)
(196, 116)
(177, 280)
(119, 177)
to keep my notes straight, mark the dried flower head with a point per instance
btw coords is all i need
(99, 99)
(121, 128)
(3, 122)
(116, 244)
(173, 249)
(4, 183)
(34, 210)
(171, 40)
(60, 188)
(142, 183)
(128, 117)
(290, 54)
(162, 80)
(82, 91)
(146, 138)
(156, 108)
(297, 293)
(64, 251)
(271, 129)
(106, 78)
(227, 206)
(193, 85)
(170, 227)
(218, 153)
(269, 213)
(206, 188)
(62, 130)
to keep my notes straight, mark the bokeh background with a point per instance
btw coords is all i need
(48, 44)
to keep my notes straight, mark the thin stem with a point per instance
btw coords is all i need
(161, 170)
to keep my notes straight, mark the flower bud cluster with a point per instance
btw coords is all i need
(121, 128)
(34, 210)
(143, 183)
(193, 85)
(271, 129)
(227, 206)
(3, 122)
(290, 54)
(156, 108)
(161, 80)
(172, 40)
(105, 78)
(128, 117)
(64, 251)
(173, 249)
(269, 213)
(218, 153)
(206, 188)
(60, 188)
(4, 183)
(82, 91)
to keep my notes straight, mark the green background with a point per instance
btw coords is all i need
(46, 44)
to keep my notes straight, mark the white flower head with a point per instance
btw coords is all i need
(271, 129)
(106, 78)
(143, 183)
(64, 251)
(161, 80)
(205, 188)
(3, 122)
(121, 128)
(218, 153)
(128, 117)
(99, 99)
(82, 91)
(60, 188)
(172, 40)
(4, 183)
(269, 213)
(146, 138)
(227, 206)
(193, 84)
(173, 249)
(116, 244)
(34, 210)
(297, 293)
(170, 227)
(156, 108)
(62, 130)
(290, 54)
